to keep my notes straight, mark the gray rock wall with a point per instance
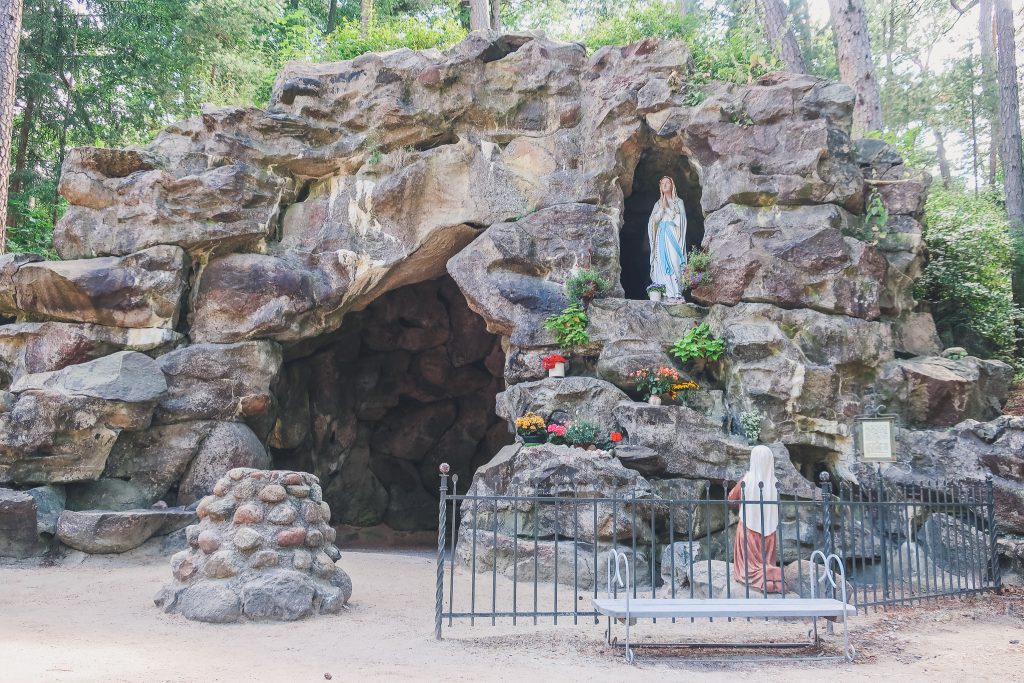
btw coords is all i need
(213, 277)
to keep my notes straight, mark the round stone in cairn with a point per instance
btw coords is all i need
(263, 549)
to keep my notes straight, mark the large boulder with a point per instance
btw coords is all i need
(942, 391)
(9, 266)
(587, 397)
(18, 534)
(114, 213)
(792, 257)
(220, 382)
(99, 531)
(228, 445)
(29, 348)
(63, 424)
(143, 289)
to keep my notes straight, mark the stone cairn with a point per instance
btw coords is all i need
(263, 549)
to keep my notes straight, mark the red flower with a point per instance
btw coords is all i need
(616, 437)
(551, 360)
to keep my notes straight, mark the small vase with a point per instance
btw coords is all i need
(534, 439)
(654, 400)
(655, 296)
(557, 371)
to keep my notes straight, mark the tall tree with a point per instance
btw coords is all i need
(10, 36)
(989, 97)
(856, 67)
(780, 35)
(479, 15)
(1009, 114)
(332, 17)
(495, 15)
(365, 16)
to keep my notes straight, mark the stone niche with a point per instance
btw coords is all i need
(634, 243)
(406, 383)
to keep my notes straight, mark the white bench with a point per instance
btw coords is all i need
(629, 609)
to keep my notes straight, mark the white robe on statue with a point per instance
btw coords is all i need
(666, 231)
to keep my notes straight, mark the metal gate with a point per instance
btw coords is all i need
(543, 553)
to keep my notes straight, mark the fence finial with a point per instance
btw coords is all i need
(444, 468)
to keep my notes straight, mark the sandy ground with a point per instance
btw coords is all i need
(95, 621)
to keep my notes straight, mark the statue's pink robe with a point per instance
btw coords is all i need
(754, 556)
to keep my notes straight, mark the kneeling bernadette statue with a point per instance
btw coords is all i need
(755, 548)
(666, 230)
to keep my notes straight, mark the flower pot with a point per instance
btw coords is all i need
(654, 400)
(655, 296)
(557, 371)
(533, 439)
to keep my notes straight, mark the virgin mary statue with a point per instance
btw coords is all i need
(667, 232)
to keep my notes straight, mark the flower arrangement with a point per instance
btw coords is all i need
(551, 360)
(615, 437)
(655, 382)
(679, 390)
(556, 433)
(530, 424)
(582, 432)
(697, 272)
(655, 288)
(698, 343)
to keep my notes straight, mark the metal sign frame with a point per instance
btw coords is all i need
(874, 449)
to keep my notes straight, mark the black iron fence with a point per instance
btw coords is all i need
(543, 553)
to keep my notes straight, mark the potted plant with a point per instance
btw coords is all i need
(554, 364)
(556, 434)
(653, 383)
(655, 292)
(697, 272)
(531, 429)
(680, 392)
(698, 345)
(582, 433)
(750, 423)
(585, 285)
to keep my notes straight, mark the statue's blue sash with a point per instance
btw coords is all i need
(667, 240)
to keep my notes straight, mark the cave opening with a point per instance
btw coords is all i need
(405, 384)
(811, 461)
(634, 244)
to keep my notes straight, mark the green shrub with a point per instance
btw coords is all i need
(698, 343)
(967, 278)
(586, 285)
(750, 423)
(570, 326)
(582, 432)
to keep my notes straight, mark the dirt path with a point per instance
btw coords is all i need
(96, 622)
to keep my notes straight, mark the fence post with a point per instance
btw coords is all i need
(442, 510)
(826, 522)
(997, 579)
(883, 519)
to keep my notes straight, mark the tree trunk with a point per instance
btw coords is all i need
(21, 156)
(10, 35)
(986, 41)
(780, 35)
(365, 16)
(332, 17)
(479, 15)
(940, 152)
(495, 15)
(1009, 113)
(856, 68)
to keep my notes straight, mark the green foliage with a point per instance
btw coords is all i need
(968, 274)
(698, 343)
(697, 272)
(582, 432)
(585, 285)
(876, 217)
(570, 326)
(750, 423)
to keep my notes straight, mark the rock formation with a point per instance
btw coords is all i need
(341, 282)
(263, 549)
